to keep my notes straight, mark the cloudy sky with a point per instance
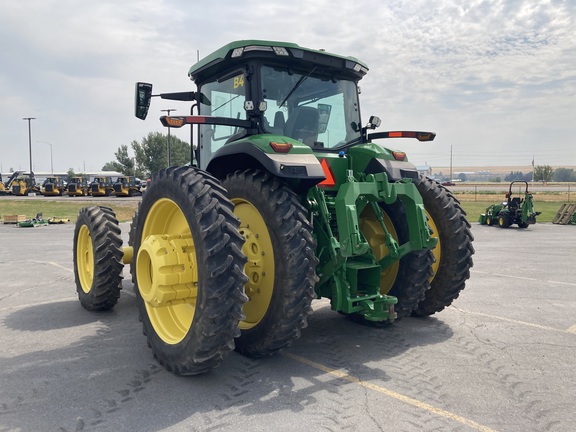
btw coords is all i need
(495, 79)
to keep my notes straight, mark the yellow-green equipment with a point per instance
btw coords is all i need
(288, 198)
(24, 184)
(78, 186)
(102, 186)
(53, 186)
(126, 187)
(6, 188)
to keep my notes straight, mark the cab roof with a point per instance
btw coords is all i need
(238, 51)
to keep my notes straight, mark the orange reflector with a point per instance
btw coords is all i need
(329, 181)
(395, 134)
(398, 155)
(174, 121)
(280, 147)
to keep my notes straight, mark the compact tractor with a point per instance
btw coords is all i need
(289, 197)
(513, 210)
(102, 186)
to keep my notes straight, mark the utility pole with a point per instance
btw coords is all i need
(168, 145)
(29, 140)
(450, 179)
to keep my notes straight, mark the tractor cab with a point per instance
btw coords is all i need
(258, 100)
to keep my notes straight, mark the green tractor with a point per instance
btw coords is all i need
(288, 199)
(513, 210)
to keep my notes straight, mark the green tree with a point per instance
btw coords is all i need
(70, 174)
(112, 166)
(150, 155)
(564, 175)
(123, 163)
(518, 175)
(543, 173)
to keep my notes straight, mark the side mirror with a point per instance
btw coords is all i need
(142, 99)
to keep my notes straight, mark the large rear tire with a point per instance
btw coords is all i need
(97, 258)
(407, 279)
(281, 262)
(188, 270)
(454, 251)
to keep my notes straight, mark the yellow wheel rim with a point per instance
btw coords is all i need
(374, 234)
(260, 266)
(85, 259)
(437, 251)
(167, 271)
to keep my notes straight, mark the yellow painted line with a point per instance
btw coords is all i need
(523, 278)
(398, 396)
(513, 321)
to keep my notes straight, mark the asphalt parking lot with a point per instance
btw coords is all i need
(500, 358)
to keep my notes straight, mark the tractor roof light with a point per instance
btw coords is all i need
(239, 52)
(281, 51)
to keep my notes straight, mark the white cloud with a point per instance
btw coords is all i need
(495, 78)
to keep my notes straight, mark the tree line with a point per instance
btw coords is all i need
(150, 155)
(543, 173)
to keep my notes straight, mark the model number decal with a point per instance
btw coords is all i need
(239, 81)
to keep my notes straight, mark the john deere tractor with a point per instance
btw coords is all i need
(289, 197)
(513, 210)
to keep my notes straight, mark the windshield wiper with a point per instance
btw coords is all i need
(225, 103)
(300, 81)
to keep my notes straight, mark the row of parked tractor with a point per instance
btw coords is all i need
(24, 184)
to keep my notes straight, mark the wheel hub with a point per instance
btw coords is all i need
(166, 270)
(85, 258)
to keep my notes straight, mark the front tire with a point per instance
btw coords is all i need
(454, 251)
(188, 270)
(281, 262)
(97, 258)
(503, 220)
